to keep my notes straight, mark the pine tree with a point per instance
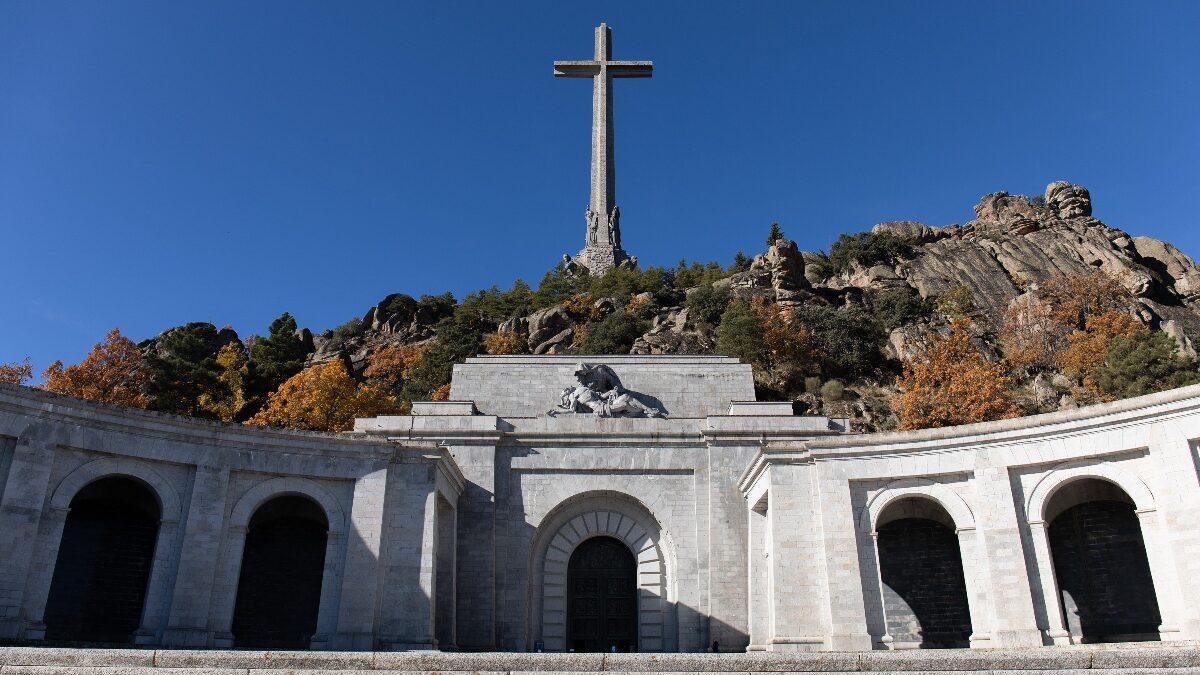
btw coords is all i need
(276, 357)
(182, 367)
(775, 235)
(1142, 363)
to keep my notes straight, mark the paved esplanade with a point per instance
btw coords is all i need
(602, 248)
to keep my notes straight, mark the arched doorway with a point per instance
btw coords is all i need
(920, 566)
(1100, 563)
(602, 597)
(99, 584)
(279, 588)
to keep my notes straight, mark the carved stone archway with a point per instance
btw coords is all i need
(602, 514)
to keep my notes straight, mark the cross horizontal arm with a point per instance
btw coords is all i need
(576, 68)
(630, 68)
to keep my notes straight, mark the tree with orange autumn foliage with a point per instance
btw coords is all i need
(506, 342)
(112, 372)
(1073, 298)
(1040, 325)
(1029, 336)
(950, 383)
(322, 398)
(1086, 349)
(388, 367)
(770, 339)
(17, 372)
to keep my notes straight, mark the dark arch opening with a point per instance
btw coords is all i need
(924, 592)
(98, 589)
(602, 597)
(279, 588)
(1100, 564)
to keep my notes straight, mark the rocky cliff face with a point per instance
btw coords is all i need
(1013, 243)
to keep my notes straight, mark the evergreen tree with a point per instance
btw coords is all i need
(1143, 363)
(457, 338)
(741, 334)
(775, 235)
(182, 368)
(276, 357)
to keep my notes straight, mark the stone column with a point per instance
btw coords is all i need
(1055, 631)
(158, 589)
(45, 558)
(885, 639)
(1177, 496)
(20, 512)
(975, 577)
(331, 590)
(444, 575)
(1166, 586)
(847, 602)
(726, 567)
(475, 588)
(359, 608)
(1014, 623)
(188, 623)
(758, 559)
(798, 592)
(225, 587)
(410, 525)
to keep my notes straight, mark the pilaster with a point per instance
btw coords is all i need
(20, 513)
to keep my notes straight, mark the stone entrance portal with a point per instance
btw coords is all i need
(602, 597)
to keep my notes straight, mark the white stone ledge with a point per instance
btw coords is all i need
(1097, 658)
(1165, 404)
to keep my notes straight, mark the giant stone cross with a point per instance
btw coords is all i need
(602, 244)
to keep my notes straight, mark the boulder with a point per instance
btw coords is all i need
(785, 264)
(1066, 200)
(558, 343)
(1172, 267)
(546, 325)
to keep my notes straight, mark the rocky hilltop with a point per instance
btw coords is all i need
(1012, 245)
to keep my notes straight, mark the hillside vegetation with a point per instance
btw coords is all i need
(1032, 306)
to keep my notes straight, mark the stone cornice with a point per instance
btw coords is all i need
(1126, 412)
(103, 417)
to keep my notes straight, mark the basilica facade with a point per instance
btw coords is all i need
(638, 503)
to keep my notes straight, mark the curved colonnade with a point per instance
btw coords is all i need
(120, 525)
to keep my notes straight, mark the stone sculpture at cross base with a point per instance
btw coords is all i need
(599, 392)
(602, 240)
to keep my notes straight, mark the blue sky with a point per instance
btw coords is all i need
(164, 162)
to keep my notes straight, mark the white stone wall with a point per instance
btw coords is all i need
(754, 529)
(209, 478)
(994, 480)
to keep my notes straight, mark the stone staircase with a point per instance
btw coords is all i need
(1141, 658)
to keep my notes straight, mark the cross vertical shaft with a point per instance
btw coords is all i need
(602, 242)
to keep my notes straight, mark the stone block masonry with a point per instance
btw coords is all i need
(749, 527)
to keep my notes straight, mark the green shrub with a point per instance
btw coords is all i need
(833, 390)
(347, 331)
(614, 334)
(812, 385)
(740, 334)
(849, 339)
(706, 304)
(868, 248)
(900, 306)
(957, 303)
